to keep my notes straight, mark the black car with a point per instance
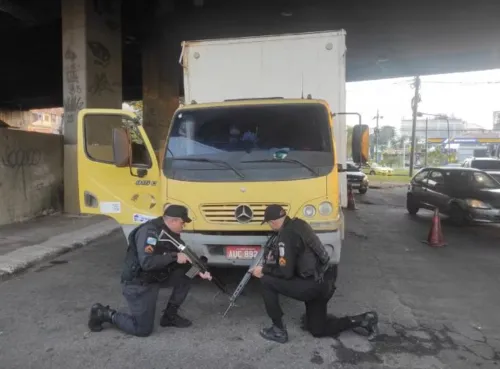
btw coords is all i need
(356, 178)
(464, 194)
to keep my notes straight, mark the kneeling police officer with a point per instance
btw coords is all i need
(150, 263)
(298, 267)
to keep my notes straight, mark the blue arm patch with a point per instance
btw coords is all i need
(151, 241)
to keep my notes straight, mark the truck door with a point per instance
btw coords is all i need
(118, 173)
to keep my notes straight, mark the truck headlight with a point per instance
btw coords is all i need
(309, 211)
(325, 208)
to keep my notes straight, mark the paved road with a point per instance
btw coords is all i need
(439, 307)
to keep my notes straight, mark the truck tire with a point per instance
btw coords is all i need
(362, 191)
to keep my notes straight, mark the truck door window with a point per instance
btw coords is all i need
(98, 131)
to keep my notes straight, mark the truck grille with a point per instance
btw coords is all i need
(354, 179)
(227, 214)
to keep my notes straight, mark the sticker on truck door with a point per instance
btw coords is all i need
(110, 207)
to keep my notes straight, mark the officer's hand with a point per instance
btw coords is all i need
(205, 275)
(182, 258)
(257, 272)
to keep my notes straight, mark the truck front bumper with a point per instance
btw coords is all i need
(213, 247)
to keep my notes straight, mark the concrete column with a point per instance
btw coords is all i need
(161, 74)
(92, 73)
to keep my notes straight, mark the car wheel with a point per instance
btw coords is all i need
(362, 191)
(372, 172)
(458, 216)
(411, 206)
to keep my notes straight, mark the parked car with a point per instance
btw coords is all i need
(489, 165)
(466, 195)
(375, 168)
(356, 178)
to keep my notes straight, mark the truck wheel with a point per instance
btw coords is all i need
(411, 206)
(372, 172)
(362, 191)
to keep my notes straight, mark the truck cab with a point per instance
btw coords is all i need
(229, 152)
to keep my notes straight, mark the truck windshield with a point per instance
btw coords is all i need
(250, 143)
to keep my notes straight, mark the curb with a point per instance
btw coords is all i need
(21, 259)
(386, 186)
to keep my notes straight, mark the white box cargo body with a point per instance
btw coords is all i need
(288, 66)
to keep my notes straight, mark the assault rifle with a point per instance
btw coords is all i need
(198, 264)
(257, 261)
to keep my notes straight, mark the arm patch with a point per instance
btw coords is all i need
(152, 241)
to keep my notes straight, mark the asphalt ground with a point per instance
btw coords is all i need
(438, 307)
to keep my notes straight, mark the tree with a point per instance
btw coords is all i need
(386, 134)
(138, 107)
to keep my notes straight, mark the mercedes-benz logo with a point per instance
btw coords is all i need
(243, 213)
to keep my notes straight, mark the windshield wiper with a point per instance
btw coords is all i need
(284, 160)
(213, 161)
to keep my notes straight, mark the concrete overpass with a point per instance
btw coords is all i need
(384, 38)
(96, 53)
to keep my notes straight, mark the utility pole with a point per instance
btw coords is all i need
(426, 145)
(414, 105)
(377, 132)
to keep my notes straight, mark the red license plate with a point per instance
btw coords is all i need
(242, 252)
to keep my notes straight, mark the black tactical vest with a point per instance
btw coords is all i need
(132, 271)
(311, 241)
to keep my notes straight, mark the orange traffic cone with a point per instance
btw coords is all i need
(351, 203)
(435, 237)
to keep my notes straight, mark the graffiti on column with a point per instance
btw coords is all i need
(100, 84)
(73, 101)
(108, 10)
(101, 54)
(102, 58)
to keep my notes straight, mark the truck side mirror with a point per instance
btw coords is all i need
(360, 143)
(121, 147)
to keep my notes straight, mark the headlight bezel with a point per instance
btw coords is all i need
(309, 207)
(329, 210)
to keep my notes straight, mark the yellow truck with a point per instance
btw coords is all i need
(257, 128)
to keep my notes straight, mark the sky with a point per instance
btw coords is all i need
(471, 96)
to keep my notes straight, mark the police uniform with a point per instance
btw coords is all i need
(298, 266)
(149, 264)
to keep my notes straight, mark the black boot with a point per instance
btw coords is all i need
(99, 314)
(368, 321)
(170, 318)
(274, 333)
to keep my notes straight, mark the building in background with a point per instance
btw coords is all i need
(37, 120)
(436, 128)
(496, 120)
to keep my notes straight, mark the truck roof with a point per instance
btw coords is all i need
(249, 102)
